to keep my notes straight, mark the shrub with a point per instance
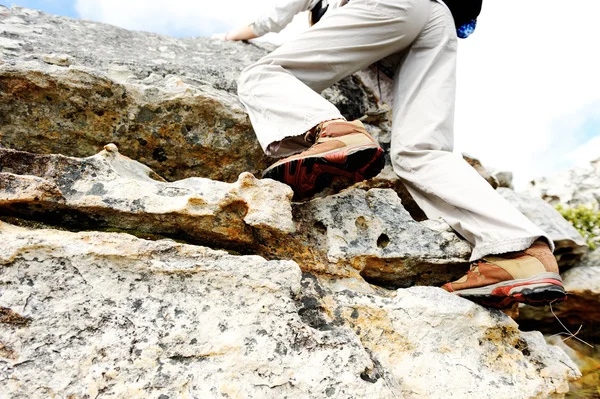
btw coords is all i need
(586, 219)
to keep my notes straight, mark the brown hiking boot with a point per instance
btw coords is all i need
(340, 149)
(529, 276)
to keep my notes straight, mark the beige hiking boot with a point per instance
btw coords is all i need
(529, 276)
(340, 149)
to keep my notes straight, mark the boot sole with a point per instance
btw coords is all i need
(539, 290)
(310, 175)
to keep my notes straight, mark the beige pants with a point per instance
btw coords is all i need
(281, 90)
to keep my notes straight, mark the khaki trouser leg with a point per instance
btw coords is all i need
(280, 91)
(442, 183)
(280, 94)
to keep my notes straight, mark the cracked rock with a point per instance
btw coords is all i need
(571, 188)
(424, 350)
(109, 190)
(581, 309)
(372, 232)
(70, 86)
(353, 233)
(483, 172)
(570, 245)
(112, 315)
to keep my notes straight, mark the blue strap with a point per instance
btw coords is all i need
(465, 31)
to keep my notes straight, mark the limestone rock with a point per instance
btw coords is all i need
(582, 307)
(574, 187)
(109, 190)
(591, 259)
(115, 315)
(570, 245)
(368, 232)
(408, 336)
(372, 232)
(583, 283)
(580, 312)
(70, 86)
(58, 59)
(379, 83)
(505, 178)
(91, 314)
(88, 314)
(587, 360)
(15, 189)
(387, 178)
(476, 164)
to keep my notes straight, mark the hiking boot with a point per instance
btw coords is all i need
(529, 276)
(340, 149)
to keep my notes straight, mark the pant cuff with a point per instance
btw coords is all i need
(501, 247)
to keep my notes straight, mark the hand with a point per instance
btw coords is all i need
(241, 33)
(219, 36)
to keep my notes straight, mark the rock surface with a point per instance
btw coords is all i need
(583, 284)
(580, 309)
(389, 179)
(109, 190)
(574, 187)
(372, 232)
(106, 314)
(587, 360)
(70, 86)
(504, 178)
(591, 259)
(476, 164)
(347, 234)
(570, 245)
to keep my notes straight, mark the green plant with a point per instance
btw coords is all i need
(586, 219)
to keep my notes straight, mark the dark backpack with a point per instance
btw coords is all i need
(464, 11)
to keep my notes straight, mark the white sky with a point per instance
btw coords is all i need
(529, 85)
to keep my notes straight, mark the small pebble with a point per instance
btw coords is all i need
(111, 148)
(57, 59)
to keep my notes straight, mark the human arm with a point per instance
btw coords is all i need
(272, 20)
(241, 33)
(278, 17)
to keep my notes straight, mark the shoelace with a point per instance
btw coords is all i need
(313, 135)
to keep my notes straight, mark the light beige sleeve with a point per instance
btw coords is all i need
(279, 16)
